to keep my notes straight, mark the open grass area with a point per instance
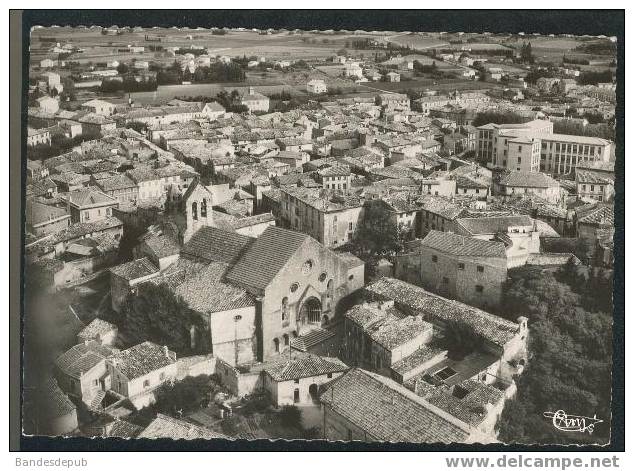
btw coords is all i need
(486, 47)
(428, 84)
(418, 41)
(283, 45)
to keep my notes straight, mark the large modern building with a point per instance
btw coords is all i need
(533, 147)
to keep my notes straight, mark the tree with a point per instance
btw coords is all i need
(123, 69)
(378, 235)
(526, 53)
(460, 339)
(505, 117)
(291, 416)
(138, 126)
(592, 78)
(68, 94)
(154, 313)
(570, 343)
(183, 397)
(536, 74)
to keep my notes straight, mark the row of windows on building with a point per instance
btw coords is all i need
(337, 186)
(478, 288)
(108, 213)
(461, 266)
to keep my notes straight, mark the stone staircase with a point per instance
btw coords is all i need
(96, 401)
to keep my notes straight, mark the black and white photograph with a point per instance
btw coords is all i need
(332, 235)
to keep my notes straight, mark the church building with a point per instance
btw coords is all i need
(255, 295)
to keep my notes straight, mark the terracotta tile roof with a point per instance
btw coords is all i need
(205, 292)
(38, 213)
(82, 357)
(117, 182)
(441, 206)
(388, 326)
(529, 180)
(252, 220)
(135, 269)
(455, 244)
(58, 403)
(471, 409)
(551, 259)
(163, 244)
(491, 225)
(600, 215)
(74, 167)
(143, 174)
(402, 203)
(216, 245)
(394, 172)
(550, 210)
(96, 328)
(411, 298)
(264, 259)
(303, 366)
(545, 229)
(597, 166)
(90, 197)
(590, 177)
(123, 429)
(310, 339)
(335, 170)
(235, 207)
(70, 178)
(467, 182)
(387, 411)
(324, 200)
(41, 187)
(169, 427)
(82, 229)
(93, 118)
(274, 194)
(142, 359)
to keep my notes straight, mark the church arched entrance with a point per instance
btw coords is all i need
(310, 313)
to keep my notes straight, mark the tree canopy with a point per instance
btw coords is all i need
(570, 345)
(154, 313)
(378, 237)
(188, 395)
(497, 117)
(526, 53)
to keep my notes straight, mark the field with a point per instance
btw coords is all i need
(555, 43)
(552, 49)
(418, 41)
(475, 47)
(445, 85)
(283, 45)
(165, 93)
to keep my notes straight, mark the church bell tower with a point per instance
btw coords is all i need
(197, 203)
